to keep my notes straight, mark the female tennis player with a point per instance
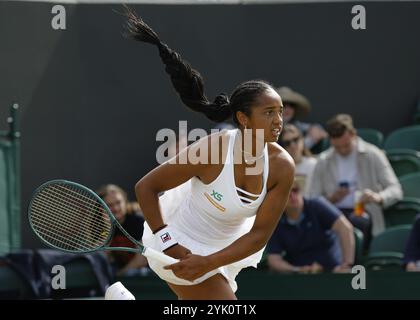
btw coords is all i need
(224, 217)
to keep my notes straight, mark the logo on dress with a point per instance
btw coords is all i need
(216, 196)
(165, 237)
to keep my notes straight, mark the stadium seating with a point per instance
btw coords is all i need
(358, 242)
(410, 184)
(407, 138)
(404, 161)
(372, 136)
(13, 284)
(387, 249)
(403, 212)
(368, 134)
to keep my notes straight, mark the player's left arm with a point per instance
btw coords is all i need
(282, 172)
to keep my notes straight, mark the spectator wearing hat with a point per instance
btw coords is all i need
(295, 107)
(312, 236)
(353, 166)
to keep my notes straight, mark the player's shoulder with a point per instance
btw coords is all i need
(281, 163)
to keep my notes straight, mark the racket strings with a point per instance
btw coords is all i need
(54, 196)
(65, 229)
(57, 223)
(60, 241)
(78, 196)
(70, 218)
(63, 242)
(68, 213)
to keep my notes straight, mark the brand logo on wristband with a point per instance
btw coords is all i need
(165, 237)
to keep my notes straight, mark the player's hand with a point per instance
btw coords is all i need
(190, 267)
(177, 252)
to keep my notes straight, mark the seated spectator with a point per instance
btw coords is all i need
(295, 107)
(350, 167)
(412, 249)
(128, 215)
(307, 235)
(292, 140)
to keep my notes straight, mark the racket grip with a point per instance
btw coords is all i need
(159, 256)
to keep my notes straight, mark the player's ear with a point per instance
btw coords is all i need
(242, 118)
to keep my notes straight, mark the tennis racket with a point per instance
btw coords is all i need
(70, 217)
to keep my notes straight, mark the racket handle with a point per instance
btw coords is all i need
(159, 256)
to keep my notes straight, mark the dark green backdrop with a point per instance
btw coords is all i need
(92, 101)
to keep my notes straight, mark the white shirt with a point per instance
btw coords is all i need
(347, 172)
(304, 169)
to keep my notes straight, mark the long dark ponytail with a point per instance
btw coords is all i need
(189, 83)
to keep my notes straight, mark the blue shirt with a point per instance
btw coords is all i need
(311, 240)
(412, 248)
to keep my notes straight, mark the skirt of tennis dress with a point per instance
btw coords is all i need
(229, 271)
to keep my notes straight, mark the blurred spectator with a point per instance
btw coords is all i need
(296, 106)
(412, 249)
(292, 140)
(351, 167)
(307, 234)
(128, 215)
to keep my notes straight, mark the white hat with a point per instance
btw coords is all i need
(118, 292)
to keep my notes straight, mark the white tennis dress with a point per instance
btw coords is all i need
(206, 218)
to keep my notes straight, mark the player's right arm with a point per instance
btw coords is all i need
(167, 176)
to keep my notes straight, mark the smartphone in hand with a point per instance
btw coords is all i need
(344, 184)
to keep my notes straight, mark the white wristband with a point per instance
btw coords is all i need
(165, 238)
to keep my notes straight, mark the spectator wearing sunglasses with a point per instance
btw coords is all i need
(292, 140)
(295, 107)
(312, 236)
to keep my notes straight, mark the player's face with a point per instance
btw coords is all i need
(117, 204)
(266, 114)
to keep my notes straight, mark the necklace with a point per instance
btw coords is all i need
(251, 159)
